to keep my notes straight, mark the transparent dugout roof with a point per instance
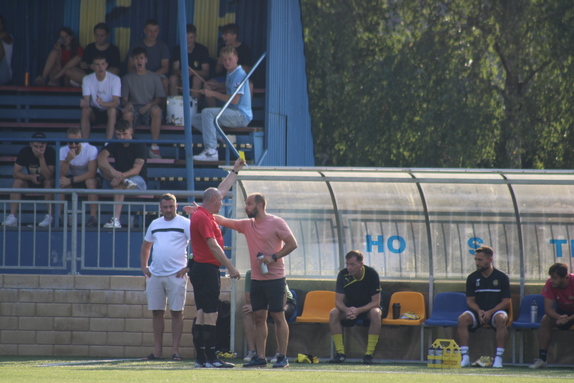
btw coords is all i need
(420, 224)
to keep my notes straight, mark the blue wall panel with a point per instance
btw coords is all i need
(289, 140)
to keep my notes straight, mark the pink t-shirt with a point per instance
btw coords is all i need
(564, 297)
(264, 237)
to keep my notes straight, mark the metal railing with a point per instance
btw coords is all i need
(72, 247)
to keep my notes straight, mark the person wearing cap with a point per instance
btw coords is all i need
(39, 159)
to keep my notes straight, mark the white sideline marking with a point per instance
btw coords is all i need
(87, 362)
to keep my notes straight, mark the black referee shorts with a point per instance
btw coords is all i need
(206, 282)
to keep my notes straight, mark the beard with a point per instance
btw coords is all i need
(253, 213)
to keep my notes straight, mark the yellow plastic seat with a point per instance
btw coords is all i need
(318, 304)
(410, 301)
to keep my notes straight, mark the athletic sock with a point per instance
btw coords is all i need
(197, 332)
(209, 337)
(338, 340)
(371, 344)
(499, 351)
(543, 354)
(464, 350)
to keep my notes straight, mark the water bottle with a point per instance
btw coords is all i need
(431, 357)
(534, 312)
(396, 310)
(438, 357)
(263, 266)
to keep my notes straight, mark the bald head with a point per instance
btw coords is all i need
(212, 200)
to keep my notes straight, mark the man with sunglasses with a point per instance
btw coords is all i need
(78, 167)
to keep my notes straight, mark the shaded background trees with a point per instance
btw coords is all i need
(441, 84)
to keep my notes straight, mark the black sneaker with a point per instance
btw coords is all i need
(368, 359)
(92, 222)
(282, 362)
(256, 362)
(217, 363)
(339, 358)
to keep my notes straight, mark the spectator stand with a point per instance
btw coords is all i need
(24, 110)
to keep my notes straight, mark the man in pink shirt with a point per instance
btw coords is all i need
(558, 295)
(270, 236)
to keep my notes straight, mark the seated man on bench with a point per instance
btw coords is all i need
(358, 296)
(39, 159)
(237, 115)
(129, 171)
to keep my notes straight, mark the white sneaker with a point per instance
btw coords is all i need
(465, 361)
(46, 222)
(207, 155)
(538, 363)
(130, 185)
(250, 355)
(274, 359)
(497, 362)
(11, 220)
(154, 153)
(113, 223)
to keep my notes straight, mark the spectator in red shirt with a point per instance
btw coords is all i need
(67, 54)
(558, 295)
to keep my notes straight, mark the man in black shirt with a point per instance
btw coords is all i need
(129, 170)
(358, 297)
(488, 299)
(39, 160)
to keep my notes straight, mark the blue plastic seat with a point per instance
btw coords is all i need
(446, 309)
(523, 320)
(523, 323)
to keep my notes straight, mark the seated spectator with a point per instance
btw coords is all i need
(238, 114)
(102, 91)
(249, 321)
(39, 159)
(197, 59)
(5, 54)
(157, 53)
(129, 171)
(78, 167)
(558, 295)
(229, 34)
(358, 296)
(100, 48)
(142, 95)
(67, 53)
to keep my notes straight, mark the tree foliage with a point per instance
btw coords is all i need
(459, 83)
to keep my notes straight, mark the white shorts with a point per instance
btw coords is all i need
(162, 289)
(476, 324)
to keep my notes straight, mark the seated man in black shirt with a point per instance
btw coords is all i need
(129, 170)
(488, 299)
(358, 296)
(100, 48)
(39, 159)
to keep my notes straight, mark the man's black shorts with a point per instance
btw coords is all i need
(268, 295)
(362, 318)
(206, 282)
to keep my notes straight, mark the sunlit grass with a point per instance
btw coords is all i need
(38, 369)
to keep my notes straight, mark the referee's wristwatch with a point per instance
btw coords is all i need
(274, 256)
